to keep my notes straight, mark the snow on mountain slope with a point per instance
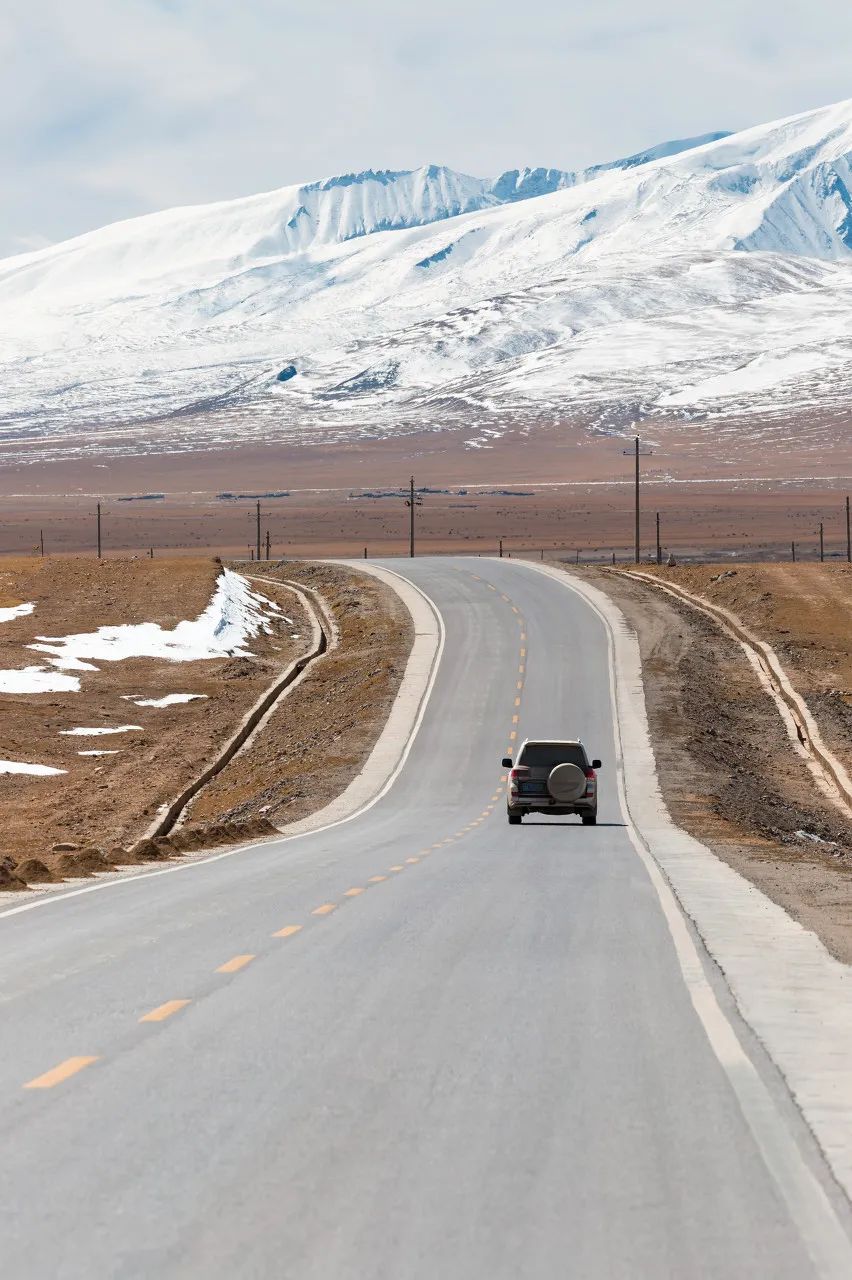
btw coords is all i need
(701, 277)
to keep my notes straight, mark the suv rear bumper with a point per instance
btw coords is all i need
(552, 806)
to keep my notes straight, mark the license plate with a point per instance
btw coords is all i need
(533, 788)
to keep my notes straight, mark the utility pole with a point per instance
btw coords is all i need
(151, 552)
(501, 549)
(635, 452)
(848, 533)
(821, 544)
(636, 531)
(267, 544)
(365, 553)
(41, 540)
(258, 531)
(99, 531)
(793, 549)
(411, 502)
(659, 548)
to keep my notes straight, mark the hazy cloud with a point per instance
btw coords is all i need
(111, 108)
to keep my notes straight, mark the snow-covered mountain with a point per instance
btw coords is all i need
(712, 275)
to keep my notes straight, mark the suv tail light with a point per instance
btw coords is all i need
(591, 781)
(520, 771)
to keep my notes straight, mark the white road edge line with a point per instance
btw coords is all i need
(426, 693)
(810, 1208)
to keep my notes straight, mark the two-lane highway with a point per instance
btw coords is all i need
(421, 1043)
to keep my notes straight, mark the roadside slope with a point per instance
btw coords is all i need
(728, 771)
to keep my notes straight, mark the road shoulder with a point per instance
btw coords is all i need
(788, 988)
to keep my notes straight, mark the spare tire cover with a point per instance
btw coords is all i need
(566, 782)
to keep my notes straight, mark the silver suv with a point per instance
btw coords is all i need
(552, 776)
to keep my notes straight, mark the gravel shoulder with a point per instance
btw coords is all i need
(727, 769)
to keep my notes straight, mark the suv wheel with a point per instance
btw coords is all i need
(589, 819)
(514, 819)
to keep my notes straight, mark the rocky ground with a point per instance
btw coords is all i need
(727, 769)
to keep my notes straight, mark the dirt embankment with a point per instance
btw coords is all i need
(115, 780)
(727, 768)
(318, 739)
(91, 816)
(804, 611)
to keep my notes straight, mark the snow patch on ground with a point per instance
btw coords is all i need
(16, 611)
(92, 733)
(170, 699)
(37, 770)
(235, 615)
(98, 753)
(37, 680)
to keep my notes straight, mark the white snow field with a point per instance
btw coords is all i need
(234, 616)
(706, 277)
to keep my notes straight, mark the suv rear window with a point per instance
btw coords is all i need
(545, 755)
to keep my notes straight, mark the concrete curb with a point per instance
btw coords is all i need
(793, 994)
(388, 755)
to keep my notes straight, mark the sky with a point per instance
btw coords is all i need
(113, 108)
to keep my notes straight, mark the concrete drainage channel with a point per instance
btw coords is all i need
(325, 636)
(828, 772)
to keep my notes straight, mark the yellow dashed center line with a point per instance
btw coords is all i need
(164, 1011)
(288, 931)
(396, 868)
(506, 598)
(523, 637)
(513, 735)
(523, 653)
(417, 859)
(521, 669)
(69, 1067)
(234, 964)
(353, 893)
(325, 910)
(376, 879)
(517, 702)
(515, 719)
(515, 609)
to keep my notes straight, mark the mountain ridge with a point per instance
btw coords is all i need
(689, 279)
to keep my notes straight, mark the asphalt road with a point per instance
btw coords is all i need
(422, 1044)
